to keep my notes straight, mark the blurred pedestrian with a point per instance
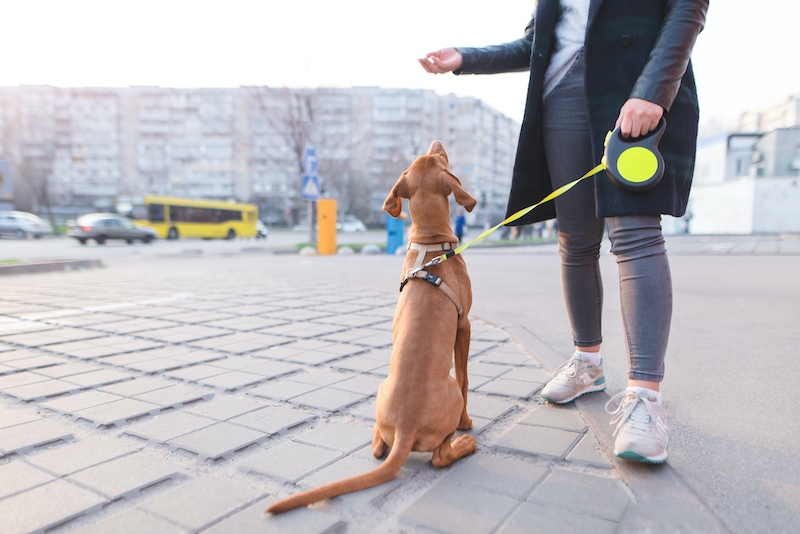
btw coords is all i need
(461, 223)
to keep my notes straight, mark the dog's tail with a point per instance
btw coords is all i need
(384, 473)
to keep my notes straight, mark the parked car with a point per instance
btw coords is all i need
(22, 224)
(261, 230)
(104, 226)
(351, 224)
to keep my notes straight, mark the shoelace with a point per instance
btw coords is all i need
(569, 368)
(626, 409)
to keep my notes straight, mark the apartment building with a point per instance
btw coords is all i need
(74, 150)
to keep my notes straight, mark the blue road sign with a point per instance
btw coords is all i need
(310, 189)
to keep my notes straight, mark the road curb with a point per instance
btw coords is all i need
(48, 266)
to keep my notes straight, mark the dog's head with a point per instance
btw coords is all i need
(426, 184)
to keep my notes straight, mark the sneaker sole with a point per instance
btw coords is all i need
(636, 457)
(596, 389)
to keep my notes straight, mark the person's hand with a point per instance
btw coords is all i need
(638, 117)
(441, 61)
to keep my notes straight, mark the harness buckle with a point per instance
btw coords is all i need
(433, 279)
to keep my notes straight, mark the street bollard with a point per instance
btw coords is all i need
(326, 226)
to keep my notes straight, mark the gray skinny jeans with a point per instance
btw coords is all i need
(636, 242)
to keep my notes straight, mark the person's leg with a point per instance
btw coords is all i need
(580, 233)
(646, 303)
(645, 295)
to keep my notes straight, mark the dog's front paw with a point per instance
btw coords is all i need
(464, 445)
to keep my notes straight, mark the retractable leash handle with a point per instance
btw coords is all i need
(634, 164)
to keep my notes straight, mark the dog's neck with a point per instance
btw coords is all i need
(430, 221)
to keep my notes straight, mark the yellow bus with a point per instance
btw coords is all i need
(174, 218)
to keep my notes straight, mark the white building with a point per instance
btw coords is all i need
(747, 183)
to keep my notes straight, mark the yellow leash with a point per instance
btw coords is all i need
(558, 192)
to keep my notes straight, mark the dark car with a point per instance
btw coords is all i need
(104, 226)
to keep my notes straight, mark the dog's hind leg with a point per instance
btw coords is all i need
(450, 451)
(461, 352)
(379, 447)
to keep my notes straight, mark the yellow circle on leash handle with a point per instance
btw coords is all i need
(637, 164)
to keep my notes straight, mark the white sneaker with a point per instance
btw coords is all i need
(574, 378)
(641, 427)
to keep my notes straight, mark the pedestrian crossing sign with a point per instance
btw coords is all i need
(310, 189)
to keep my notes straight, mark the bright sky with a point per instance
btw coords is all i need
(747, 56)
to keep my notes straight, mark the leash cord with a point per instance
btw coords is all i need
(524, 211)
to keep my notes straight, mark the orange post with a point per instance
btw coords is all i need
(326, 226)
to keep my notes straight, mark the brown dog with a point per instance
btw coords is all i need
(419, 405)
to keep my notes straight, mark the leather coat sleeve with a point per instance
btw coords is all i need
(661, 78)
(513, 56)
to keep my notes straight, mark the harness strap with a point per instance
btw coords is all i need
(418, 272)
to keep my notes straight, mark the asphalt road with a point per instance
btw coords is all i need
(731, 364)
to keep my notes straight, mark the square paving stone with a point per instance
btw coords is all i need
(289, 461)
(489, 407)
(195, 372)
(253, 520)
(14, 415)
(320, 377)
(133, 521)
(359, 363)
(23, 437)
(137, 386)
(364, 384)
(506, 475)
(224, 407)
(67, 369)
(79, 401)
(77, 455)
(232, 380)
(118, 412)
(329, 399)
(35, 362)
(156, 365)
(126, 476)
(221, 440)
(556, 417)
(538, 440)
(47, 506)
(610, 497)
(281, 390)
(452, 508)
(274, 419)
(510, 388)
(175, 396)
(41, 390)
(167, 426)
(528, 373)
(101, 377)
(532, 518)
(270, 369)
(22, 378)
(344, 437)
(589, 451)
(201, 502)
(18, 476)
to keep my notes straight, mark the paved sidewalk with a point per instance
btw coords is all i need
(186, 403)
(179, 395)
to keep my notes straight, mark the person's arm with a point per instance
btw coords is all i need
(657, 86)
(508, 57)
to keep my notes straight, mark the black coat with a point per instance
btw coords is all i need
(634, 49)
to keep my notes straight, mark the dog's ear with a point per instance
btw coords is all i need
(393, 205)
(462, 197)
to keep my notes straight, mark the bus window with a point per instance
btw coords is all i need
(155, 212)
